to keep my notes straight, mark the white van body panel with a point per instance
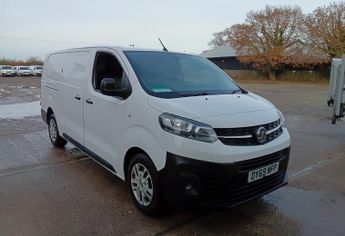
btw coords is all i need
(141, 129)
(65, 79)
(219, 111)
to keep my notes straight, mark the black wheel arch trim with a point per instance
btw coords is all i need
(44, 115)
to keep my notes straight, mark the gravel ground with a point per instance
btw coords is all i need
(19, 89)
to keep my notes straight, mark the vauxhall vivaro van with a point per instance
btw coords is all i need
(174, 126)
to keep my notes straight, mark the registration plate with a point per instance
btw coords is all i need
(263, 172)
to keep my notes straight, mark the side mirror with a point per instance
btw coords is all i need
(108, 87)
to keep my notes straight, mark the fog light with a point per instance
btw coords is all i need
(190, 190)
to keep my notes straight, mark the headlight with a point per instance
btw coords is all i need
(187, 128)
(282, 119)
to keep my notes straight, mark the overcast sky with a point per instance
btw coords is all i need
(35, 27)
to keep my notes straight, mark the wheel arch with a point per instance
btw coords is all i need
(138, 139)
(129, 155)
(49, 112)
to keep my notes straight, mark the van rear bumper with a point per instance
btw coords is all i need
(190, 181)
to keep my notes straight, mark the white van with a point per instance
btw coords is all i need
(6, 70)
(23, 71)
(174, 126)
(36, 70)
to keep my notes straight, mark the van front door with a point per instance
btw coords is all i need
(104, 115)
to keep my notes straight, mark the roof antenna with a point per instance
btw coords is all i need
(164, 48)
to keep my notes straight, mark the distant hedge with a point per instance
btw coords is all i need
(286, 75)
(27, 62)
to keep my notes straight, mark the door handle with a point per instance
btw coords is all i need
(77, 97)
(89, 101)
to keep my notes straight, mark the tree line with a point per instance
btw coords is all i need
(278, 36)
(28, 62)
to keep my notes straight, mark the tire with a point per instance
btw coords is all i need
(53, 132)
(140, 164)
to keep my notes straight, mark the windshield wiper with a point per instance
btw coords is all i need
(194, 94)
(236, 91)
(204, 93)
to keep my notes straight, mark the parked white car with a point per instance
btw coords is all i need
(36, 70)
(23, 71)
(6, 70)
(174, 126)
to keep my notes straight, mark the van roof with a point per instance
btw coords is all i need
(117, 48)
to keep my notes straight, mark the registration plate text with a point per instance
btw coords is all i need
(263, 172)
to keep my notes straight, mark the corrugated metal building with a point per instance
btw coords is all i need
(225, 58)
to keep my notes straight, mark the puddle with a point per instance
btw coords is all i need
(74, 150)
(20, 110)
(318, 212)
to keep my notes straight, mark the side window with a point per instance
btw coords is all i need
(107, 66)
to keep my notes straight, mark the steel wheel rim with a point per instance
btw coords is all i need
(141, 184)
(52, 130)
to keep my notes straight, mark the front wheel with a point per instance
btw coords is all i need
(54, 134)
(144, 185)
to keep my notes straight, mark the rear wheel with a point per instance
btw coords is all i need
(144, 185)
(54, 134)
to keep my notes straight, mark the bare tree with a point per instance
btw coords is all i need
(269, 37)
(220, 38)
(33, 61)
(325, 28)
(30, 61)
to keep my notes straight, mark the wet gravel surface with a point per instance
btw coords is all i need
(45, 190)
(19, 89)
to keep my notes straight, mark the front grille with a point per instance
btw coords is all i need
(251, 190)
(255, 163)
(246, 136)
(231, 194)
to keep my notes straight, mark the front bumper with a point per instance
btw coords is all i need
(189, 181)
(7, 73)
(24, 73)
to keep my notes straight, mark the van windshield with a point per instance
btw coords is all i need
(172, 75)
(7, 67)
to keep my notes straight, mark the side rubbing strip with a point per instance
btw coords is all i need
(52, 88)
(91, 154)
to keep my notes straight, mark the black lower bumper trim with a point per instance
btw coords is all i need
(190, 181)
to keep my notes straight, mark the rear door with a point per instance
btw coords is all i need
(70, 72)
